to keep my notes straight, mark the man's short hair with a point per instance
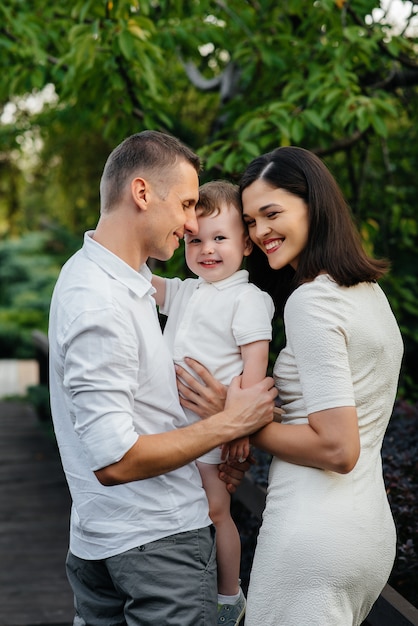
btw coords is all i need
(149, 153)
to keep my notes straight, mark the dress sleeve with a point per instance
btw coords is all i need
(317, 334)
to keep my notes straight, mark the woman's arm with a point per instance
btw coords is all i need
(330, 440)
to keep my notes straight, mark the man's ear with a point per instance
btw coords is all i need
(248, 246)
(140, 192)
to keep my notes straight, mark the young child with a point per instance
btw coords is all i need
(224, 322)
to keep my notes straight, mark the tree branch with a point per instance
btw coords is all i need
(226, 82)
(341, 145)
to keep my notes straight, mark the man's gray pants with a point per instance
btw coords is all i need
(167, 582)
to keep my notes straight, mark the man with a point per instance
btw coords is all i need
(141, 541)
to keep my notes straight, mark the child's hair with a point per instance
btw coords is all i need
(215, 193)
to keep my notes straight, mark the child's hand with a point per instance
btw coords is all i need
(239, 449)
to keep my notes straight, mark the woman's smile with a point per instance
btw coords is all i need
(271, 245)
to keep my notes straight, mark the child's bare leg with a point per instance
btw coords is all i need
(228, 542)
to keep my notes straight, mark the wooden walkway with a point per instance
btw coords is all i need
(34, 518)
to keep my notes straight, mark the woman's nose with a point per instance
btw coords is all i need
(262, 229)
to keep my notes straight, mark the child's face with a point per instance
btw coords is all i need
(217, 250)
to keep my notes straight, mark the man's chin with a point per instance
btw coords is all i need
(164, 255)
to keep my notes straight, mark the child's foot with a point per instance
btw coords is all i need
(232, 614)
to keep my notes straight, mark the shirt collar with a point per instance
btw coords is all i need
(137, 281)
(239, 277)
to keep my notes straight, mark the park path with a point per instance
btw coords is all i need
(34, 517)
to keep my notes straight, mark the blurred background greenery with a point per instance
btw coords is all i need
(231, 78)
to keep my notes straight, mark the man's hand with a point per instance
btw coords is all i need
(203, 399)
(251, 407)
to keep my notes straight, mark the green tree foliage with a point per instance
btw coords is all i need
(28, 270)
(232, 78)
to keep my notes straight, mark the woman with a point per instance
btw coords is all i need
(327, 542)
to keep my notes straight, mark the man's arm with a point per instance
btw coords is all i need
(246, 411)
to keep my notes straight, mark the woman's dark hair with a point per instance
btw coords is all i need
(334, 244)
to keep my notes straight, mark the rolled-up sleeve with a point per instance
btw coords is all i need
(101, 370)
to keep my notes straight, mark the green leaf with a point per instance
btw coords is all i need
(126, 44)
(379, 125)
(313, 118)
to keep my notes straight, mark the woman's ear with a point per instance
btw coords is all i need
(248, 246)
(139, 191)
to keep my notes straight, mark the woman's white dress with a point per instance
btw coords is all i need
(327, 542)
